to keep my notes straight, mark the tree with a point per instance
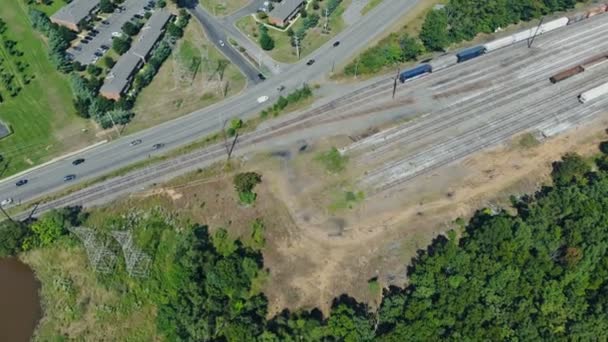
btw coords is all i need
(106, 6)
(410, 47)
(12, 234)
(434, 31)
(244, 183)
(223, 243)
(108, 62)
(130, 28)
(121, 45)
(266, 42)
(303, 12)
(571, 167)
(94, 70)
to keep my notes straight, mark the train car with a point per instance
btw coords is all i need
(560, 76)
(553, 24)
(498, 43)
(470, 53)
(415, 72)
(594, 93)
(443, 61)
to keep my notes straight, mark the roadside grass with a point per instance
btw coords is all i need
(370, 6)
(223, 7)
(410, 23)
(42, 116)
(345, 199)
(283, 51)
(196, 75)
(527, 140)
(332, 160)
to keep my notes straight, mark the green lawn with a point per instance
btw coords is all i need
(370, 5)
(187, 81)
(51, 8)
(42, 116)
(283, 51)
(222, 7)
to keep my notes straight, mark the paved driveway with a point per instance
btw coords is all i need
(115, 20)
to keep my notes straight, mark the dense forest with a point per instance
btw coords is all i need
(458, 21)
(536, 272)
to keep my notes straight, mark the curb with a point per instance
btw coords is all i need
(52, 161)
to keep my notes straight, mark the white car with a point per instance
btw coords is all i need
(221, 43)
(262, 99)
(116, 34)
(6, 202)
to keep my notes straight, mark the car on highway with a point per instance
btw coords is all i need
(158, 146)
(68, 178)
(221, 43)
(310, 62)
(262, 99)
(336, 43)
(78, 161)
(6, 202)
(21, 182)
(135, 142)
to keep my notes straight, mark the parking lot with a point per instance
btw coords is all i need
(88, 50)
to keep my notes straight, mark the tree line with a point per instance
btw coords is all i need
(537, 272)
(457, 21)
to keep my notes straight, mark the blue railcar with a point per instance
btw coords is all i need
(414, 72)
(470, 53)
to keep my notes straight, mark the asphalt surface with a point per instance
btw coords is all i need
(216, 33)
(199, 124)
(86, 53)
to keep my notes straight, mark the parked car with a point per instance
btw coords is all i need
(261, 76)
(78, 161)
(281, 88)
(158, 146)
(21, 182)
(135, 142)
(105, 47)
(116, 34)
(68, 178)
(6, 202)
(84, 42)
(336, 43)
(262, 99)
(105, 22)
(95, 31)
(77, 48)
(138, 16)
(310, 62)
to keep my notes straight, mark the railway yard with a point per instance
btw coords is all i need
(451, 114)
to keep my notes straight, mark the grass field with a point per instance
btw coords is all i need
(370, 5)
(187, 81)
(42, 115)
(222, 7)
(283, 51)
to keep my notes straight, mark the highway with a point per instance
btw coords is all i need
(484, 102)
(199, 124)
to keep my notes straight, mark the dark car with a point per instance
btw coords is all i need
(138, 16)
(78, 161)
(69, 178)
(157, 146)
(105, 22)
(261, 76)
(98, 54)
(94, 32)
(336, 43)
(21, 182)
(104, 47)
(310, 62)
(84, 42)
(136, 142)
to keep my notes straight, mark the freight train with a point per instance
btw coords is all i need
(448, 60)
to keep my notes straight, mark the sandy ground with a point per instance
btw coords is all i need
(320, 246)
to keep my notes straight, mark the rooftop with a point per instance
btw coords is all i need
(118, 78)
(285, 8)
(75, 11)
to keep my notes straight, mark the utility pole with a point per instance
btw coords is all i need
(297, 45)
(6, 214)
(113, 123)
(531, 40)
(395, 82)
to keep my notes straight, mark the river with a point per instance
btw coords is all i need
(19, 301)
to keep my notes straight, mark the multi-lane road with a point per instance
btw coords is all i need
(179, 132)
